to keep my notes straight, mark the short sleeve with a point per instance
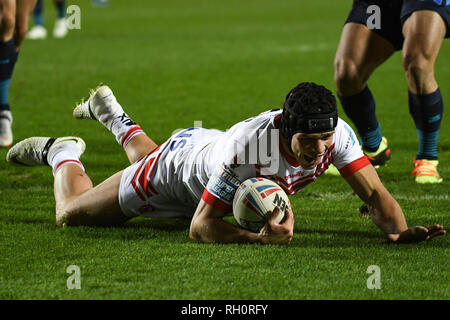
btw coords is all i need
(348, 155)
(238, 158)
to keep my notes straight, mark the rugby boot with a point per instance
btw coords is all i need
(6, 136)
(381, 156)
(332, 171)
(37, 151)
(102, 105)
(426, 171)
(60, 29)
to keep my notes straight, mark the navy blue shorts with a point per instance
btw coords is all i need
(394, 13)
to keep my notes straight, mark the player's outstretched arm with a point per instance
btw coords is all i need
(208, 226)
(385, 211)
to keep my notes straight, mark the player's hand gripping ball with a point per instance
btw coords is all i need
(255, 200)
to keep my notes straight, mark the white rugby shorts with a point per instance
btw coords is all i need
(143, 190)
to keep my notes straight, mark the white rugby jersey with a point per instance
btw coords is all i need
(210, 164)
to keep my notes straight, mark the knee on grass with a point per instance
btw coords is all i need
(66, 217)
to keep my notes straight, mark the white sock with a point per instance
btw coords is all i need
(5, 122)
(64, 157)
(124, 129)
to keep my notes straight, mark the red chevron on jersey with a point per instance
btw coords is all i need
(296, 185)
(141, 180)
(133, 181)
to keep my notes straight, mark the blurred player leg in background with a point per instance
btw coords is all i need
(38, 31)
(103, 106)
(60, 28)
(424, 32)
(8, 56)
(359, 53)
(100, 3)
(13, 28)
(23, 12)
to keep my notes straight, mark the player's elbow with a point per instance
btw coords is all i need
(193, 233)
(201, 230)
(194, 230)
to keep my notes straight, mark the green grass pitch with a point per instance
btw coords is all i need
(171, 63)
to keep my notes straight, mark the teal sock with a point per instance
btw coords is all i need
(60, 8)
(427, 111)
(8, 58)
(37, 14)
(360, 108)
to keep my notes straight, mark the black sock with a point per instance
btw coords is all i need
(360, 108)
(426, 111)
(8, 58)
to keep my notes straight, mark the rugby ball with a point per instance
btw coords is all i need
(255, 199)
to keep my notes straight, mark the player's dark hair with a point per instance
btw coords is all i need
(308, 108)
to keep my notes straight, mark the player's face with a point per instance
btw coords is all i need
(308, 148)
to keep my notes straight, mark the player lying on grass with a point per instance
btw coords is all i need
(196, 172)
(14, 16)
